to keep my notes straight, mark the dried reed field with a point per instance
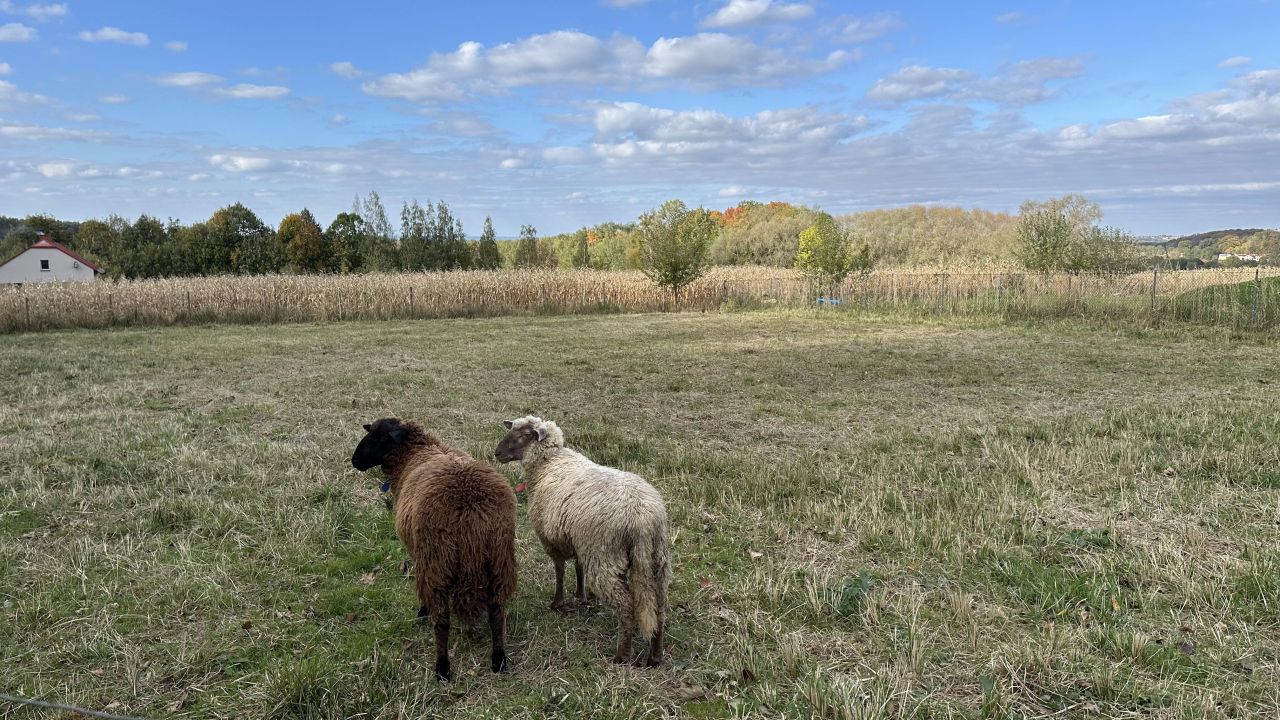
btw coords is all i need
(1142, 298)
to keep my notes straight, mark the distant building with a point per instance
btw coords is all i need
(1247, 257)
(47, 261)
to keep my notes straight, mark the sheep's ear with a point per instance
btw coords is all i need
(542, 433)
(507, 424)
(367, 427)
(399, 435)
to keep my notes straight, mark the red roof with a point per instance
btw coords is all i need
(48, 243)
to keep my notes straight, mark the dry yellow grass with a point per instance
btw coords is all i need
(307, 298)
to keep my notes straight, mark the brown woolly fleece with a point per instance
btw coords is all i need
(457, 518)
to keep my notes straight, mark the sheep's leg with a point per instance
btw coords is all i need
(626, 625)
(557, 602)
(442, 646)
(582, 592)
(498, 629)
(655, 643)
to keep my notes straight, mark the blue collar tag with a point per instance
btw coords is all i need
(386, 486)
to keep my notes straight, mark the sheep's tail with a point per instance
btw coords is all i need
(650, 575)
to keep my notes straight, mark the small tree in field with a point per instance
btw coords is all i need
(1061, 235)
(827, 256)
(673, 245)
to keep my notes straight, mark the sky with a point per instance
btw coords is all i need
(561, 115)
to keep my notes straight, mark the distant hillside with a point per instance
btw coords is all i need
(1212, 237)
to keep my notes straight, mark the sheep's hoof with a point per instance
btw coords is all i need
(559, 605)
(652, 661)
(442, 670)
(621, 660)
(499, 661)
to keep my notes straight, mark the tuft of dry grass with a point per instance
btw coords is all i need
(870, 518)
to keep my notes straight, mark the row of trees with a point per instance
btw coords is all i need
(235, 240)
(1057, 235)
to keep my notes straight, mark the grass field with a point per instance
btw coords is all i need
(870, 518)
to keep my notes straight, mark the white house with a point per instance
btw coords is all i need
(47, 261)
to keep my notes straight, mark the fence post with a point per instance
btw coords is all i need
(1253, 299)
(188, 303)
(111, 311)
(942, 292)
(28, 303)
(411, 300)
(1155, 275)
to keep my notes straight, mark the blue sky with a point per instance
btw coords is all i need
(560, 115)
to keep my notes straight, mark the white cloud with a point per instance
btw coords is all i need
(17, 32)
(242, 163)
(187, 79)
(731, 192)
(55, 169)
(115, 35)
(345, 69)
(1235, 62)
(513, 163)
(860, 30)
(197, 177)
(82, 117)
(915, 82)
(339, 119)
(737, 13)
(1011, 18)
(113, 99)
(11, 95)
(5, 68)
(1019, 83)
(176, 46)
(569, 57)
(245, 91)
(40, 132)
(38, 12)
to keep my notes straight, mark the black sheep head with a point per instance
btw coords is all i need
(381, 438)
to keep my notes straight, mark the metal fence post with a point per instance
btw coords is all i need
(410, 299)
(28, 304)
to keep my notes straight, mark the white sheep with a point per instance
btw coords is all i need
(611, 522)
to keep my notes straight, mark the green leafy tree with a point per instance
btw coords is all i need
(526, 255)
(1060, 236)
(487, 255)
(581, 252)
(346, 238)
(304, 242)
(143, 249)
(98, 240)
(414, 251)
(827, 256)
(673, 245)
(380, 252)
(251, 247)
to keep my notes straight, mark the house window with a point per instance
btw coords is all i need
(44, 266)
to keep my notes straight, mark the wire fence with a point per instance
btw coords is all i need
(1237, 298)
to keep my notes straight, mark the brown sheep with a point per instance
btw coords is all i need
(457, 518)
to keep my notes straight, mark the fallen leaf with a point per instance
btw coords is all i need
(351, 617)
(246, 624)
(176, 705)
(747, 675)
(368, 578)
(1186, 648)
(1170, 472)
(755, 555)
(704, 582)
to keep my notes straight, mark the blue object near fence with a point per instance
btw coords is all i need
(823, 300)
